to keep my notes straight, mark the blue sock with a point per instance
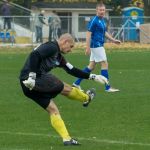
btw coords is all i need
(105, 74)
(78, 81)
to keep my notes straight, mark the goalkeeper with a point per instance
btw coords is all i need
(42, 87)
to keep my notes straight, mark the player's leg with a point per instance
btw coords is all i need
(45, 101)
(51, 87)
(102, 58)
(74, 93)
(41, 34)
(50, 84)
(9, 23)
(98, 55)
(59, 125)
(104, 72)
(88, 69)
(37, 34)
(5, 22)
(78, 80)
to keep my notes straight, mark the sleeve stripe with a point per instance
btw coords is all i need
(92, 23)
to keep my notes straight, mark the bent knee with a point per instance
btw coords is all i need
(66, 90)
(52, 108)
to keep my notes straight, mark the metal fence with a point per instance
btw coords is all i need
(130, 29)
(23, 29)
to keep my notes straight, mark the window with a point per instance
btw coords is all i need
(83, 21)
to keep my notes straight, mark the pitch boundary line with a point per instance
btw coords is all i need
(80, 138)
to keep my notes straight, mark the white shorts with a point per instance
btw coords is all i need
(98, 54)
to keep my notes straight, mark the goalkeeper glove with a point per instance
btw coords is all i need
(30, 82)
(99, 78)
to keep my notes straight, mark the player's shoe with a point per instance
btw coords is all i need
(91, 93)
(77, 86)
(112, 90)
(72, 142)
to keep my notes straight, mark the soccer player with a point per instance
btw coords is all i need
(95, 37)
(41, 86)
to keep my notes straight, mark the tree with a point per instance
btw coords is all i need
(146, 7)
(27, 3)
(117, 5)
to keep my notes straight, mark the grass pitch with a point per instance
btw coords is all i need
(114, 121)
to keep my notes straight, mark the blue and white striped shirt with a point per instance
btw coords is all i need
(98, 28)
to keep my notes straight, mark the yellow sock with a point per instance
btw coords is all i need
(59, 126)
(78, 95)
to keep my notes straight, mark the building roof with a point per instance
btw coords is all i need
(66, 6)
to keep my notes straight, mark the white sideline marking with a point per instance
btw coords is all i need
(81, 138)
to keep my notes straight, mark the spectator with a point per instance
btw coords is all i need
(39, 21)
(6, 12)
(54, 26)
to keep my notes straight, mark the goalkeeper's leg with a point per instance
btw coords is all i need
(57, 122)
(59, 125)
(74, 93)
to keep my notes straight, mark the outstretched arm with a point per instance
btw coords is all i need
(69, 68)
(112, 39)
(80, 74)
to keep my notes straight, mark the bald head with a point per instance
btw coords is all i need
(67, 37)
(66, 43)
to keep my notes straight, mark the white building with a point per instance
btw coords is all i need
(74, 16)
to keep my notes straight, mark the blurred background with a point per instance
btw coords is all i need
(127, 20)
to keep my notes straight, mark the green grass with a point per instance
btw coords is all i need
(114, 121)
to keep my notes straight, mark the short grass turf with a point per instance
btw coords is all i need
(113, 121)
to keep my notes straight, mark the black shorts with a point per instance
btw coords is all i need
(46, 87)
